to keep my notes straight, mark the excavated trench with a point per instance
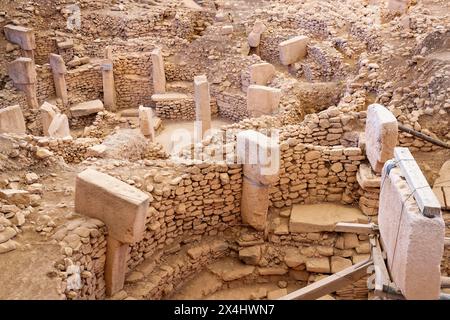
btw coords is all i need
(241, 263)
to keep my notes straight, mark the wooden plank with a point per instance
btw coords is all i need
(331, 283)
(445, 282)
(362, 228)
(425, 198)
(382, 277)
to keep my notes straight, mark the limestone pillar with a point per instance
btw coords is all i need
(146, 122)
(260, 156)
(12, 120)
(122, 208)
(59, 70)
(159, 76)
(23, 73)
(115, 265)
(254, 38)
(262, 100)
(48, 113)
(109, 91)
(22, 36)
(381, 135)
(413, 242)
(202, 105)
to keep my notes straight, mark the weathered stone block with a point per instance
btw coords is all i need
(414, 243)
(12, 120)
(22, 71)
(262, 100)
(254, 37)
(339, 264)
(322, 217)
(120, 206)
(261, 73)
(20, 35)
(293, 49)
(48, 113)
(87, 108)
(381, 136)
(59, 127)
(319, 265)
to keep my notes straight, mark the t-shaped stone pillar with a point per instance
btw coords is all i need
(262, 100)
(109, 91)
(23, 73)
(202, 105)
(159, 75)
(146, 122)
(122, 208)
(59, 70)
(22, 36)
(260, 156)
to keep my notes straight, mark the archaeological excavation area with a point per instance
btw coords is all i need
(225, 150)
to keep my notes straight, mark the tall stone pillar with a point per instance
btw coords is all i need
(146, 122)
(109, 91)
(122, 208)
(159, 75)
(59, 70)
(23, 73)
(260, 156)
(202, 105)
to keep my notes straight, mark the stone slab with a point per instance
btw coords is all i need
(59, 127)
(87, 108)
(322, 217)
(22, 71)
(120, 206)
(262, 100)
(292, 50)
(367, 178)
(12, 120)
(261, 73)
(414, 243)
(48, 112)
(20, 35)
(169, 96)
